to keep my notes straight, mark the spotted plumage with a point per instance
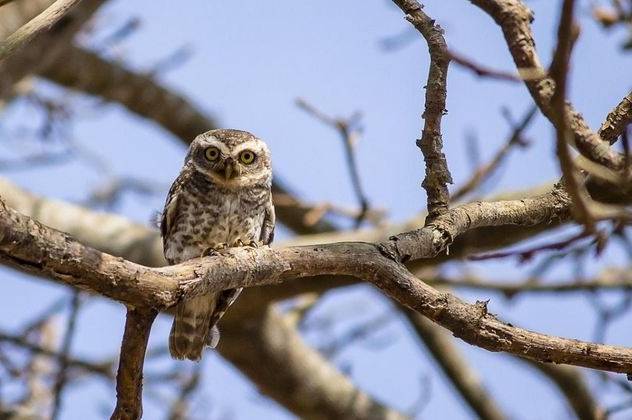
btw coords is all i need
(220, 199)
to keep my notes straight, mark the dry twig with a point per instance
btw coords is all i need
(431, 144)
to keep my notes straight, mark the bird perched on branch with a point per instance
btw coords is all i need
(222, 198)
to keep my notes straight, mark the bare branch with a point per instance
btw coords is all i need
(515, 18)
(284, 356)
(32, 246)
(101, 369)
(129, 380)
(559, 73)
(612, 279)
(483, 71)
(431, 144)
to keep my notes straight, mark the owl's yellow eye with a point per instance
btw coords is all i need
(247, 157)
(211, 153)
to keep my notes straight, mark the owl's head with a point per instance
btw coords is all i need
(231, 157)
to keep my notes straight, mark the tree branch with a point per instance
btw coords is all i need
(141, 244)
(515, 18)
(617, 120)
(559, 73)
(431, 144)
(129, 379)
(33, 246)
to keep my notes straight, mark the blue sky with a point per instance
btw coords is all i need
(251, 60)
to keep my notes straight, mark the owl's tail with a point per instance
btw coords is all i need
(190, 331)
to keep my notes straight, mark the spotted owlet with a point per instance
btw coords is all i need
(220, 199)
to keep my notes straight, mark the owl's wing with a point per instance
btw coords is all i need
(269, 220)
(170, 212)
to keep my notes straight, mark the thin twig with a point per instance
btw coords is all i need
(347, 128)
(481, 70)
(62, 374)
(101, 369)
(619, 279)
(431, 144)
(484, 172)
(529, 253)
(559, 73)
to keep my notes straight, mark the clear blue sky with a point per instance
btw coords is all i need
(251, 59)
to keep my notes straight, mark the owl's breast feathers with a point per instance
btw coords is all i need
(200, 214)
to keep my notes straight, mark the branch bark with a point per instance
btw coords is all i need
(129, 379)
(617, 120)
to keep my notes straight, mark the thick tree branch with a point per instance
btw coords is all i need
(129, 379)
(162, 287)
(143, 245)
(431, 145)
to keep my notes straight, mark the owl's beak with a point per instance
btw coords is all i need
(229, 169)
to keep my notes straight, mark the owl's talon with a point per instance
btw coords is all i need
(214, 250)
(239, 242)
(254, 244)
(209, 252)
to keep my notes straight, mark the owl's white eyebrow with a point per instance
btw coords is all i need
(216, 143)
(254, 145)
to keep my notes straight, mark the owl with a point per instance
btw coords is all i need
(222, 198)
